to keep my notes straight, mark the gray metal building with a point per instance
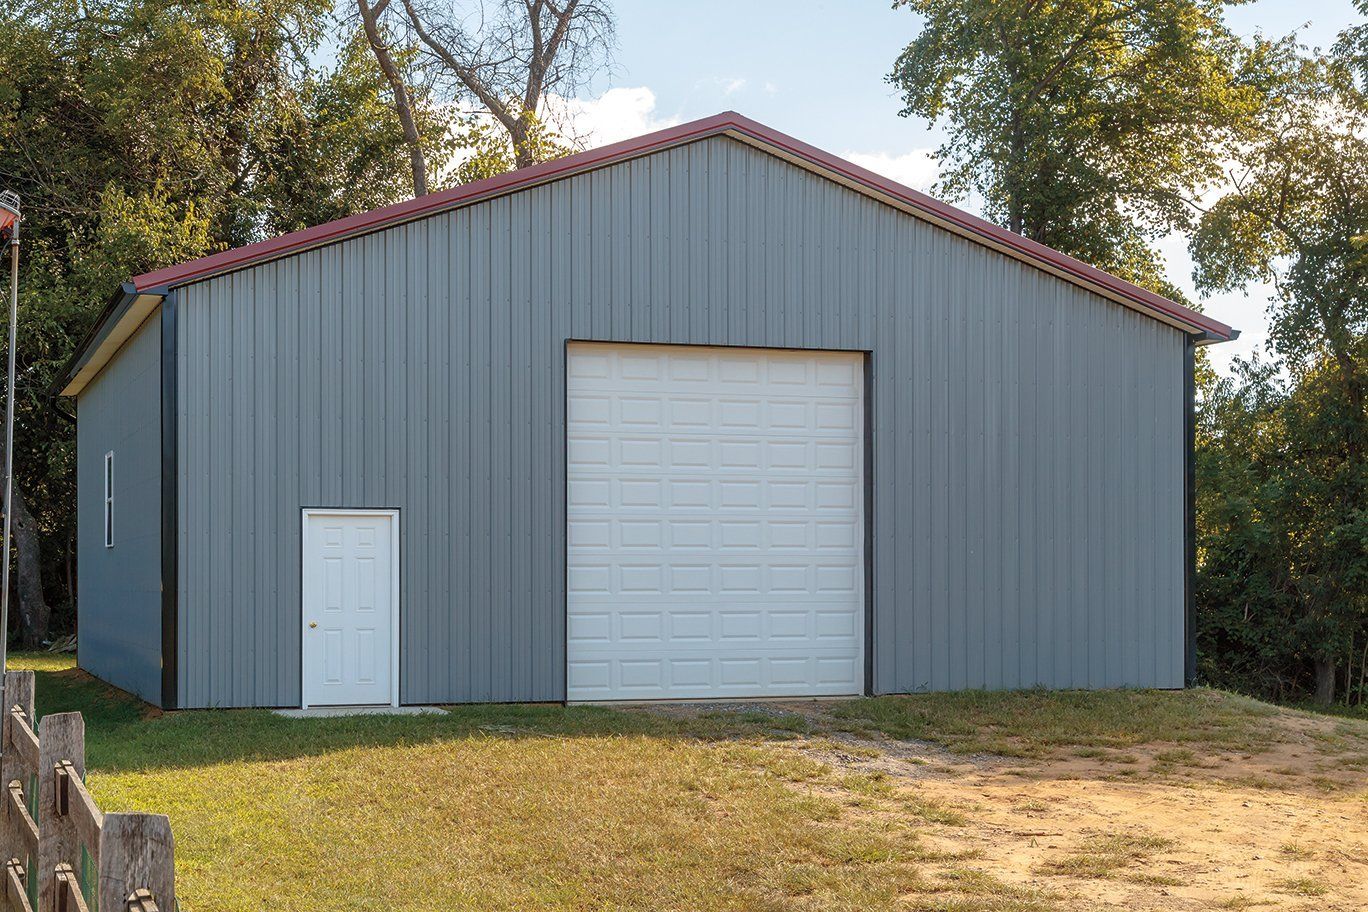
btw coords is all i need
(710, 413)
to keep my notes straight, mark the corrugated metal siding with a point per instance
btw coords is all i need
(119, 588)
(1027, 435)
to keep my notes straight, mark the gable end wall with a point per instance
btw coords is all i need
(1027, 487)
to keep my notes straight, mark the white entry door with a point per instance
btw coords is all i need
(351, 607)
(715, 528)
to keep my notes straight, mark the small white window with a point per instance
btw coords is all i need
(109, 499)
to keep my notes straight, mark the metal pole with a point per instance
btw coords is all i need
(9, 446)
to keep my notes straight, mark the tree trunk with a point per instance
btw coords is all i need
(34, 612)
(522, 153)
(1363, 667)
(403, 105)
(70, 570)
(1016, 207)
(1325, 681)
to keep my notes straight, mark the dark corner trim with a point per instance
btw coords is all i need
(169, 507)
(868, 443)
(563, 479)
(1189, 512)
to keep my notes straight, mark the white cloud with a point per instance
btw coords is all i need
(615, 115)
(726, 85)
(917, 169)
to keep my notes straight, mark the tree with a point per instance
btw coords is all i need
(377, 38)
(1281, 536)
(144, 132)
(509, 55)
(1086, 125)
(1352, 46)
(340, 147)
(1296, 215)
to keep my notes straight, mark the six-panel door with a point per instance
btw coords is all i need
(716, 537)
(350, 602)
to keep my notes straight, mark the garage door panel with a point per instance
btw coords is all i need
(590, 649)
(605, 496)
(683, 456)
(611, 490)
(780, 419)
(589, 410)
(712, 677)
(799, 579)
(714, 527)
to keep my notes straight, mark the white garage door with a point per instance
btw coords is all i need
(715, 522)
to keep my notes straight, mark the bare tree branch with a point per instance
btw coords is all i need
(403, 102)
(509, 55)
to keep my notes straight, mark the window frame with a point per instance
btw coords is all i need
(109, 499)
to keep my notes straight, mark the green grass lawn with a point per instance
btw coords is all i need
(550, 807)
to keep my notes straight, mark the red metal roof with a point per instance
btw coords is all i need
(727, 122)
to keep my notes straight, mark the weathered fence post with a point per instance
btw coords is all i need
(61, 753)
(57, 850)
(137, 854)
(15, 693)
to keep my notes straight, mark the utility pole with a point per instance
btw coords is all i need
(9, 232)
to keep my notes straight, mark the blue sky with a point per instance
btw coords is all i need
(816, 70)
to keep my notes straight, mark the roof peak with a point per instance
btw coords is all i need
(724, 123)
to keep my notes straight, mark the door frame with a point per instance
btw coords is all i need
(393, 512)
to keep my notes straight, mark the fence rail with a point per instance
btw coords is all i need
(65, 854)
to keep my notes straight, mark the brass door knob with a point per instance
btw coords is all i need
(313, 624)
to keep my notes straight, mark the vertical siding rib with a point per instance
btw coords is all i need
(460, 464)
(265, 607)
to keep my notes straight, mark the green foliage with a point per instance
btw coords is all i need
(1352, 47)
(490, 151)
(141, 133)
(1299, 201)
(340, 148)
(1283, 448)
(1282, 530)
(1086, 125)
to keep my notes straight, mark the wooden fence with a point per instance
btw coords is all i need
(64, 854)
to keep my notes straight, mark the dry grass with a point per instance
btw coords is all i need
(496, 822)
(1302, 886)
(973, 890)
(540, 807)
(1103, 855)
(549, 807)
(1038, 724)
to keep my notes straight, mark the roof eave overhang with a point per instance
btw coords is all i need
(128, 309)
(1211, 338)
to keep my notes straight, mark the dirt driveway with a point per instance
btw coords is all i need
(1280, 823)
